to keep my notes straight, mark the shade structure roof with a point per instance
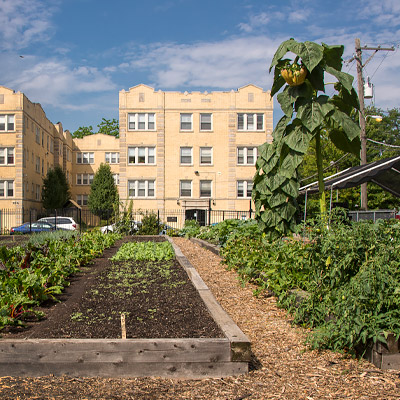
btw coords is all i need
(385, 173)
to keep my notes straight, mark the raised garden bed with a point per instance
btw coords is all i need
(196, 339)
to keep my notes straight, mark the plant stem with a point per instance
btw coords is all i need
(321, 186)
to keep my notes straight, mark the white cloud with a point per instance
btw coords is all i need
(226, 64)
(23, 22)
(52, 82)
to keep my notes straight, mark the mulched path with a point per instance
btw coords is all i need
(282, 368)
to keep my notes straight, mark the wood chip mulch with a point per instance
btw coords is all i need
(282, 367)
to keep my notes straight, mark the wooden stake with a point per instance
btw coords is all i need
(123, 328)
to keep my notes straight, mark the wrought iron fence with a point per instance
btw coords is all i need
(87, 220)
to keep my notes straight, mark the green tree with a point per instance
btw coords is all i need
(307, 114)
(109, 127)
(83, 131)
(103, 192)
(55, 190)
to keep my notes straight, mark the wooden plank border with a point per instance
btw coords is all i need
(192, 358)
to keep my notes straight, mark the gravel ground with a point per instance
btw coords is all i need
(282, 367)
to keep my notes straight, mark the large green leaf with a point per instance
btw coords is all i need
(298, 139)
(350, 128)
(282, 50)
(333, 56)
(342, 142)
(310, 53)
(291, 187)
(286, 101)
(345, 79)
(274, 182)
(316, 78)
(290, 164)
(277, 199)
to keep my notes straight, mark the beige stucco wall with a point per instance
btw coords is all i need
(168, 138)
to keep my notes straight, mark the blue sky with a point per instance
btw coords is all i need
(78, 54)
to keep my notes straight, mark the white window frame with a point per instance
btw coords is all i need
(112, 157)
(243, 187)
(204, 129)
(244, 122)
(184, 190)
(84, 179)
(37, 164)
(202, 189)
(146, 120)
(204, 149)
(8, 153)
(136, 154)
(243, 159)
(85, 158)
(82, 199)
(184, 120)
(141, 188)
(116, 179)
(9, 122)
(6, 189)
(183, 156)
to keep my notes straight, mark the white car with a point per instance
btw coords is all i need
(67, 223)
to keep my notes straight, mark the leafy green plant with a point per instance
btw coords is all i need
(349, 273)
(190, 229)
(307, 113)
(150, 225)
(154, 251)
(38, 272)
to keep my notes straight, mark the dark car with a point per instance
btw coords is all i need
(33, 227)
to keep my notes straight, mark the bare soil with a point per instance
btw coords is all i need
(283, 367)
(157, 298)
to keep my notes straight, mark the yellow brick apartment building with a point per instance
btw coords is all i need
(175, 151)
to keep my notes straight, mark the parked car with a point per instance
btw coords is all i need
(397, 216)
(67, 223)
(34, 227)
(121, 227)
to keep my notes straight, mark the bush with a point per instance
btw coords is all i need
(350, 271)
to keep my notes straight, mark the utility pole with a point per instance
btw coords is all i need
(363, 136)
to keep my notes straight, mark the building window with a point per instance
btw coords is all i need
(186, 122)
(250, 122)
(7, 123)
(6, 189)
(112, 158)
(206, 154)
(141, 155)
(246, 155)
(141, 188)
(244, 189)
(186, 155)
(84, 179)
(85, 158)
(37, 192)
(185, 189)
(37, 135)
(205, 188)
(37, 164)
(82, 199)
(6, 155)
(141, 122)
(51, 145)
(116, 179)
(205, 122)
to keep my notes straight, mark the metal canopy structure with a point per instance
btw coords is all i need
(385, 173)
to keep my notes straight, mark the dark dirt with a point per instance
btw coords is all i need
(157, 298)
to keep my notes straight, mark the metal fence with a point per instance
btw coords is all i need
(372, 215)
(87, 220)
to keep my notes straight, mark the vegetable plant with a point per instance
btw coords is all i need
(307, 112)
